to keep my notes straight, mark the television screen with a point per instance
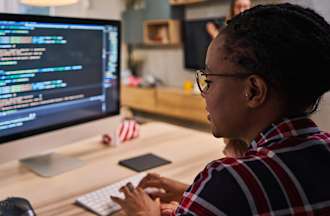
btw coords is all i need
(196, 39)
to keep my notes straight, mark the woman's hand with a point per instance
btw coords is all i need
(212, 29)
(168, 208)
(169, 190)
(137, 202)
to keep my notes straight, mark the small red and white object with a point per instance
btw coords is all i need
(128, 129)
(134, 81)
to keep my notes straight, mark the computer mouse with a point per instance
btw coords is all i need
(16, 206)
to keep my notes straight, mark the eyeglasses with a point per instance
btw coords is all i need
(204, 84)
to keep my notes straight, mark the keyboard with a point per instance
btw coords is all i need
(99, 201)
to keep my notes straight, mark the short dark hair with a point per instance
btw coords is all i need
(287, 45)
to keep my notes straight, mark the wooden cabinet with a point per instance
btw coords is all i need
(162, 32)
(177, 103)
(166, 101)
(139, 98)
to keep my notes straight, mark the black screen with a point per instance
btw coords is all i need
(196, 41)
(56, 72)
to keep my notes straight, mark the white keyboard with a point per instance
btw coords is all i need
(100, 202)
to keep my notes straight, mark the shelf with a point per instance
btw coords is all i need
(162, 32)
(185, 2)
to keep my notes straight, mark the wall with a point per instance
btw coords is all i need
(9, 6)
(14, 6)
(106, 9)
(323, 7)
(322, 116)
(100, 9)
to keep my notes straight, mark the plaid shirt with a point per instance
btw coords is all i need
(286, 171)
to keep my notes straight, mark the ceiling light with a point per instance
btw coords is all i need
(48, 3)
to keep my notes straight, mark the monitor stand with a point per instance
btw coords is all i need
(51, 164)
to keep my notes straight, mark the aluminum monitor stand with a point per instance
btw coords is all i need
(51, 164)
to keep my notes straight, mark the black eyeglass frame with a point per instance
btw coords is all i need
(203, 73)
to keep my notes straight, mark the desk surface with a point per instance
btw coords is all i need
(189, 150)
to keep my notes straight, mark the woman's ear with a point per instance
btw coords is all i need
(256, 91)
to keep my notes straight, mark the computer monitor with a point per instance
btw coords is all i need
(59, 83)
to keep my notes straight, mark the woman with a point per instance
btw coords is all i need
(233, 148)
(265, 75)
(237, 7)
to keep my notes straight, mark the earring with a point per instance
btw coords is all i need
(246, 94)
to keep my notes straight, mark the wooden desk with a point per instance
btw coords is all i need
(189, 150)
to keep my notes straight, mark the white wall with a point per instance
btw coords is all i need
(323, 7)
(100, 9)
(9, 6)
(103, 9)
(2, 6)
(322, 117)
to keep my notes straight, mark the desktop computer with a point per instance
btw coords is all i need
(59, 83)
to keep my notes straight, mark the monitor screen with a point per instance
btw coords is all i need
(196, 41)
(56, 72)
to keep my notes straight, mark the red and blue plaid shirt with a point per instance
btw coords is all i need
(286, 171)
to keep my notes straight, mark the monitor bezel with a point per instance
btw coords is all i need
(65, 20)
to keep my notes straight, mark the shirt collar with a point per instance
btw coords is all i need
(287, 127)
